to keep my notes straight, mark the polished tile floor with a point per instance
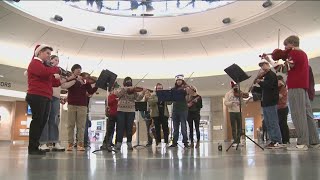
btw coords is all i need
(246, 163)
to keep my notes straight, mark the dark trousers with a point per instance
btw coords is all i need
(283, 116)
(125, 123)
(235, 119)
(111, 123)
(194, 117)
(177, 118)
(148, 124)
(158, 122)
(40, 108)
(86, 131)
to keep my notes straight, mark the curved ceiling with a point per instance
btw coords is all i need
(206, 50)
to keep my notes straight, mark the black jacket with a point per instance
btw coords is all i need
(270, 91)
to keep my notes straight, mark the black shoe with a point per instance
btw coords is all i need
(36, 152)
(173, 145)
(104, 147)
(112, 145)
(186, 145)
(149, 144)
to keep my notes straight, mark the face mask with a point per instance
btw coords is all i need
(128, 83)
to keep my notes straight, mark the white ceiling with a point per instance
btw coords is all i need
(205, 55)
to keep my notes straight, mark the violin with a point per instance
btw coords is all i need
(241, 94)
(278, 54)
(137, 89)
(88, 78)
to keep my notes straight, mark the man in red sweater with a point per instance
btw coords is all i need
(77, 107)
(40, 81)
(297, 67)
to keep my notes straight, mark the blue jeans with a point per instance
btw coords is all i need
(125, 123)
(50, 133)
(177, 118)
(270, 115)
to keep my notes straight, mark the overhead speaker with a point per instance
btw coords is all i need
(226, 20)
(143, 31)
(101, 28)
(58, 18)
(266, 4)
(185, 29)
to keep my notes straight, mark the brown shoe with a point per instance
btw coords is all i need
(191, 145)
(80, 147)
(198, 144)
(70, 147)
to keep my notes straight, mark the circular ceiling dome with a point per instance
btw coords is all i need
(152, 8)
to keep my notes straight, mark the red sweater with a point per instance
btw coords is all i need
(113, 104)
(77, 94)
(298, 76)
(41, 79)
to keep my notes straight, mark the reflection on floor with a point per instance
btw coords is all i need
(247, 163)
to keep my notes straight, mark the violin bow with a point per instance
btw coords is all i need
(189, 77)
(140, 80)
(95, 67)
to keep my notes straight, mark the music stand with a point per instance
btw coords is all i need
(140, 106)
(238, 75)
(106, 79)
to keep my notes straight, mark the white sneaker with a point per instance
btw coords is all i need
(44, 147)
(58, 147)
(234, 145)
(298, 148)
(316, 146)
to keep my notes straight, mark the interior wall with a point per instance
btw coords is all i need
(251, 109)
(6, 119)
(20, 121)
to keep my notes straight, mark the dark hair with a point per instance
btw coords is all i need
(76, 66)
(53, 56)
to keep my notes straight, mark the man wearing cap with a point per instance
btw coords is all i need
(232, 102)
(270, 96)
(41, 78)
(180, 113)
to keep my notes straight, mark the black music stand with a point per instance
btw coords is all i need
(106, 79)
(140, 106)
(238, 75)
(171, 95)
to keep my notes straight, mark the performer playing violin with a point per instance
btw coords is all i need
(126, 110)
(180, 113)
(231, 100)
(269, 101)
(77, 107)
(298, 84)
(194, 106)
(41, 79)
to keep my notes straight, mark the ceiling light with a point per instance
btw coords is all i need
(1, 76)
(143, 31)
(142, 81)
(267, 3)
(58, 18)
(226, 20)
(185, 29)
(101, 28)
